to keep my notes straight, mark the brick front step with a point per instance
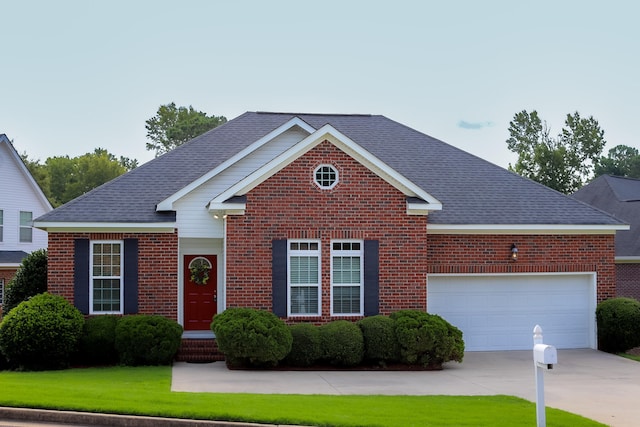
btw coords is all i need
(199, 351)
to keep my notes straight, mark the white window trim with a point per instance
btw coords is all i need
(332, 186)
(351, 253)
(92, 277)
(290, 253)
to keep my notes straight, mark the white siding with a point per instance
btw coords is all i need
(192, 217)
(18, 194)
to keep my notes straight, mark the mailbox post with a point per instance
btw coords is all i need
(544, 357)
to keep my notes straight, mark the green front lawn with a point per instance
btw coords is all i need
(146, 391)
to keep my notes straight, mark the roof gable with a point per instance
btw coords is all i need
(342, 142)
(17, 160)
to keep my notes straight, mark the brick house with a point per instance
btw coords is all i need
(323, 217)
(21, 200)
(620, 197)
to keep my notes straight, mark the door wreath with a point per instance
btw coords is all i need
(199, 269)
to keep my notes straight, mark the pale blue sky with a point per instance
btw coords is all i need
(76, 75)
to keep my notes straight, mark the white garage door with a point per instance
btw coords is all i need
(500, 312)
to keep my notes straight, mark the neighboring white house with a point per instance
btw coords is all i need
(21, 200)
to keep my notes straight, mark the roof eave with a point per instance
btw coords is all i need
(525, 228)
(112, 227)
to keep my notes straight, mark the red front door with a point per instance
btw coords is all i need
(200, 300)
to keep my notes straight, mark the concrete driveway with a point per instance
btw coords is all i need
(596, 385)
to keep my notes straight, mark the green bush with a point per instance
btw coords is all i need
(380, 343)
(97, 344)
(251, 338)
(30, 280)
(147, 340)
(342, 343)
(41, 333)
(306, 348)
(618, 324)
(427, 339)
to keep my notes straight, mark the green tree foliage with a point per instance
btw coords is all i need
(564, 163)
(173, 126)
(63, 178)
(622, 160)
(30, 280)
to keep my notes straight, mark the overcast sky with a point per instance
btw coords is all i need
(76, 75)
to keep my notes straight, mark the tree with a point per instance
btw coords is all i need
(563, 163)
(30, 280)
(173, 126)
(622, 160)
(63, 178)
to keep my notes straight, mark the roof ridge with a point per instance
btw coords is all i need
(314, 114)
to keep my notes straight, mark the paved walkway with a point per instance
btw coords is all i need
(596, 385)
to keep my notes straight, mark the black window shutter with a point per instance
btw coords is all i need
(130, 276)
(279, 277)
(371, 278)
(81, 275)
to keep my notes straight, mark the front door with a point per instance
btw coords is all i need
(200, 286)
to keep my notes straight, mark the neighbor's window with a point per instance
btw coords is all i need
(347, 277)
(304, 278)
(326, 177)
(106, 284)
(1, 223)
(26, 226)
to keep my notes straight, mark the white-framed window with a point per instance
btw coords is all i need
(1, 290)
(303, 282)
(325, 177)
(1, 223)
(106, 277)
(26, 227)
(347, 278)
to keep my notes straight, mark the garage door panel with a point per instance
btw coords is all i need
(499, 312)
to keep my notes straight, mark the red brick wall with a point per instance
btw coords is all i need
(477, 254)
(362, 206)
(157, 268)
(628, 280)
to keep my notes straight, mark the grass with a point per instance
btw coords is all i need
(146, 391)
(630, 356)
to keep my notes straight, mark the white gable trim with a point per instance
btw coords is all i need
(23, 168)
(525, 228)
(329, 133)
(167, 204)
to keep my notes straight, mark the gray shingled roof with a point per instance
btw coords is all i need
(472, 190)
(619, 197)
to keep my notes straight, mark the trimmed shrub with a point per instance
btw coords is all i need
(380, 343)
(97, 344)
(41, 333)
(427, 339)
(342, 343)
(251, 338)
(618, 324)
(306, 348)
(30, 280)
(147, 340)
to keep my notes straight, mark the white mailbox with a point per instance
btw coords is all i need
(545, 355)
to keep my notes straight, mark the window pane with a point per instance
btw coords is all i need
(346, 299)
(106, 295)
(304, 270)
(25, 219)
(346, 269)
(304, 300)
(26, 234)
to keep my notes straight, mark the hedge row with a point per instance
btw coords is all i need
(46, 332)
(256, 339)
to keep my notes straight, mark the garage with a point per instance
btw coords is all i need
(499, 312)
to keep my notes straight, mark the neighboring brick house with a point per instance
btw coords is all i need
(620, 197)
(322, 217)
(21, 200)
